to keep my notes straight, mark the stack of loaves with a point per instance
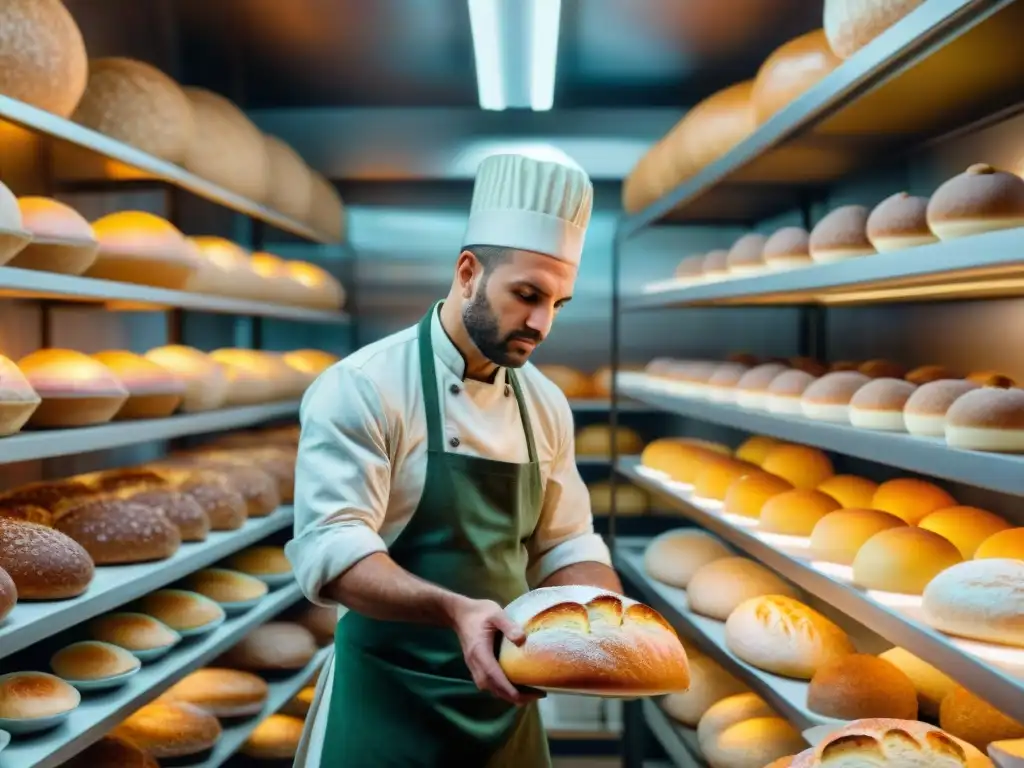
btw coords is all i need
(47, 66)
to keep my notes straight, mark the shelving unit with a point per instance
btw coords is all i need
(97, 714)
(679, 742)
(603, 406)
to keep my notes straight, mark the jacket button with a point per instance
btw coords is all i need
(454, 389)
(454, 442)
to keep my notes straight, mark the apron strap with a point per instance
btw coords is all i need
(531, 446)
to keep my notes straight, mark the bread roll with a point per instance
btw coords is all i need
(726, 713)
(277, 645)
(910, 499)
(838, 536)
(785, 391)
(76, 390)
(225, 586)
(756, 448)
(849, 26)
(689, 270)
(573, 383)
(276, 738)
(968, 717)
(181, 610)
(112, 752)
(44, 564)
(979, 599)
(300, 705)
(840, 235)
(752, 388)
(168, 729)
(980, 199)
(290, 186)
(709, 683)
(681, 459)
(227, 269)
(925, 411)
(753, 743)
(926, 374)
(258, 488)
(221, 692)
(62, 240)
(223, 505)
(903, 559)
(205, 382)
(180, 509)
(882, 742)
(987, 419)
(851, 491)
(991, 379)
(674, 556)
(721, 387)
(133, 631)
(879, 404)
(716, 125)
(35, 695)
(630, 500)
(965, 527)
(586, 639)
(796, 512)
(788, 248)
(931, 685)
(311, 362)
(141, 248)
(8, 594)
(326, 211)
(713, 480)
(716, 265)
(746, 256)
(92, 660)
(802, 466)
(828, 398)
(859, 686)
(261, 561)
(781, 635)
(900, 221)
(789, 71)
(596, 440)
(114, 531)
(718, 587)
(748, 494)
(319, 620)
(1007, 544)
(153, 391)
(324, 290)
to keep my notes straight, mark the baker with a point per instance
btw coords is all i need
(436, 482)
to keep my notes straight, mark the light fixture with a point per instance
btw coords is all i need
(515, 43)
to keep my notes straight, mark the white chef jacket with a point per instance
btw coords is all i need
(363, 459)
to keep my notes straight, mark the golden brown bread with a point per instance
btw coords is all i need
(30, 695)
(300, 705)
(931, 685)
(276, 738)
(181, 610)
(748, 494)
(27, 513)
(972, 719)
(179, 508)
(221, 692)
(858, 686)
(801, 465)
(115, 531)
(169, 729)
(789, 71)
(8, 594)
(43, 563)
(224, 505)
(272, 646)
(910, 499)
(851, 491)
(45, 494)
(257, 487)
(226, 586)
(718, 587)
(673, 557)
(925, 374)
(112, 752)
(132, 631)
(839, 535)
(709, 683)
(261, 561)
(92, 660)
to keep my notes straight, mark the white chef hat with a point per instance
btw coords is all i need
(530, 205)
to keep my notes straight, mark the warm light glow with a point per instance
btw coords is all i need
(843, 573)
(714, 506)
(740, 521)
(652, 474)
(784, 542)
(894, 599)
(965, 288)
(1000, 655)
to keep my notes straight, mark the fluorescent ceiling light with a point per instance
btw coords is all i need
(515, 43)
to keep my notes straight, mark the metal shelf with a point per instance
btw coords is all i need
(32, 284)
(678, 741)
(98, 713)
(982, 266)
(46, 444)
(787, 697)
(593, 461)
(601, 405)
(881, 100)
(1000, 688)
(928, 456)
(114, 586)
(280, 693)
(55, 127)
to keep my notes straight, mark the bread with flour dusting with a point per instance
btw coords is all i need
(592, 641)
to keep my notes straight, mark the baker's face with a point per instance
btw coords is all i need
(513, 305)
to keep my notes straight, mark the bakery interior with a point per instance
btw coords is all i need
(790, 354)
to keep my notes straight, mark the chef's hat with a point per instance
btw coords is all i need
(530, 205)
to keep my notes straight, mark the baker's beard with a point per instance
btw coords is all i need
(482, 326)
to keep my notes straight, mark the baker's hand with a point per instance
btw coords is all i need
(477, 623)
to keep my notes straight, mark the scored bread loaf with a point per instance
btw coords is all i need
(591, 640)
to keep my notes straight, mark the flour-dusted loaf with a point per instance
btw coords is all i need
(590, 640)
(852, 24)
(114, 531)
(8, 594)
(979, 599)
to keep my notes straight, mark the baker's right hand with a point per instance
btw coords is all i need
(477, 623)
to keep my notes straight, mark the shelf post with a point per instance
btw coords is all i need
(613, 415)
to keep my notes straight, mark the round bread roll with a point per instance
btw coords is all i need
(796, 512)
(135, 103)
(746, 257)
(851, 491)
(709, 683)
(181, 610)
(325, 291)
(748, 494)
(910, 499)
(117, 532)
(838, 536)
(573, 383)
(721, 387)
(674, 556)
(170, 729)
(596, 440)
(781, 635)
(679, 458)
(1005, 544)
(261, 561)
(227, 269)
(925, 411)
(76, 390)
(92, 660)
(926, 374)
(277, 645)
(62, 240)
(34, 695)
(980, 199)
(629, 500)
(276, 738)
(849, 26)
(180, 509)
(753, 743)
(142, 248)
(257, 487)
(752, 388)
(154, 392)
(221, 692)
(828, 398)
(311, 362)
(789, 71)
(932, 686)
(879, 404)
(301, 704)
(18, 400)
(802, 466)
(726, 713)
(290, 187)
(319, 620)
(840, 235)
(690, 270)
(884, 742)
(713, 480)
(205, 381)
(965, 527)
(8, 594)
(900, 221)
(859, 686)
(968, 717)
(112, 752)
(133, 631)
(755, 449)
(786, 389)
(45, 62)
(980, 600)
(223, 505)
(991, 379)
(44, 564)
(718, 587)
(788, 248)
(584, 639)
(226, 586)
(903, 559)
(987, 419)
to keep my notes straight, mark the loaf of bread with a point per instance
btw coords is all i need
(112, 752)
(258, 488)
(796, 512)
(903, 560)
(114, 531)
(223, 504)
(910, 499)
(596, 440)
(718, 587)
(135, 632)
(931, 685)
(673, 557)
(261, 560)
(44, 564)
(573, 383)
(1005, 544)
(972, 719)
(781, 635)
(979, 599)
(276, 738)
(841, 234)
(76, 390)
(181, 610)
(728, 712)
(225, 586)
(277, 645)
(629, 500)
(987, 419)
(753, 743)
(852, 24)
(791, 70)
(221, 692)
(800, 465)
(62, 240)
(183, 512)
(900, 221)
(324, 291)
(709, 683)
(139, 247)
(225, 269)
(925, 412)
(319, 620)
(205, 382)
(747, 495)
(300, 705)
(92, 660)
(8, 594)
(170, 729)
(981, 199)
(274, 461)
(858, 686)
(34, 695)
(589, 640)
(279, 287)
(153, 391)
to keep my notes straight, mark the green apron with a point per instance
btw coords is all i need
(403, 696)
